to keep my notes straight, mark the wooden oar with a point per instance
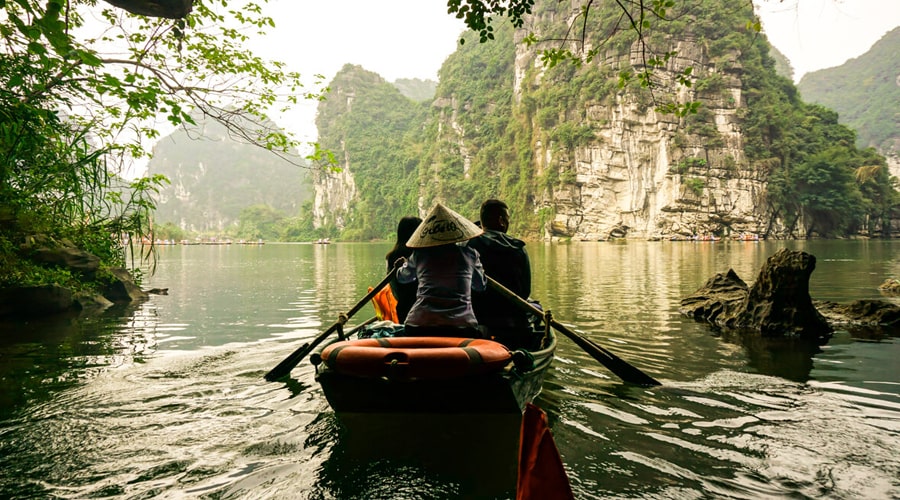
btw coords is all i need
(615, 364)
(284, 368)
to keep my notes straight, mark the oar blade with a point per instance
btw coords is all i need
(624, 370)
(284, 368)
(627, 371)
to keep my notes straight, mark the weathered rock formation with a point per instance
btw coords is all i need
(779, 305)
(878, 313)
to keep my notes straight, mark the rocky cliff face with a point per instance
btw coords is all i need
(633, 171)
(335, 188)
(335, 192)
(645, 175)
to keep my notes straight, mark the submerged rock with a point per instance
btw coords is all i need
(890, 286)
(122, 288)
(861, 313)
(779, 305)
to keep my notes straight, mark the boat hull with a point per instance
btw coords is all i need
(503, 392)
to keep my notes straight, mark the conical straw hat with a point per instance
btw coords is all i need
(442, 226)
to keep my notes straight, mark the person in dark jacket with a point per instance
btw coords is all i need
(504, 259)
(404, 293)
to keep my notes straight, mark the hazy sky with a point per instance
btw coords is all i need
(818, 34)
(412, 38)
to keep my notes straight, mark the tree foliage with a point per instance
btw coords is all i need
(81, 88)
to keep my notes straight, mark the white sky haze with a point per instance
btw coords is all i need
(819, 34)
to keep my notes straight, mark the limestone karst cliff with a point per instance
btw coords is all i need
(214, 176)
(641, 172)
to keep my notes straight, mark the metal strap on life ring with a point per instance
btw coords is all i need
(416, 357)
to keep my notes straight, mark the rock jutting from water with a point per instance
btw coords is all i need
(779, 305)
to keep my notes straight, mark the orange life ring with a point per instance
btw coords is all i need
(416, 357)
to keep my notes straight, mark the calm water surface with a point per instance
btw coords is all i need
(167, 400)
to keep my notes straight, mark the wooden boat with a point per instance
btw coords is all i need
(452, 404)
(464, 415)
(434, 375)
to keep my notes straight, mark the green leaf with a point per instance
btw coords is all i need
(36, 48)
(89, 58)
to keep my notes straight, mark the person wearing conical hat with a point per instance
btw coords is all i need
(446, 273)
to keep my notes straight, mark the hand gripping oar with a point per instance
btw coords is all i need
(615, 364)
(285, 367)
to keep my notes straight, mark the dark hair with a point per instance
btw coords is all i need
(489, 206)
(405, 229)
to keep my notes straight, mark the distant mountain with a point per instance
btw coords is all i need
(214, 177)
(865, 92)
(782, 63)
(416, 89)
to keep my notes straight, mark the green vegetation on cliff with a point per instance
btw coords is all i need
(369, 122)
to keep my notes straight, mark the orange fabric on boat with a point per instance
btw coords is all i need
(385, 305)
(541, 471)
(416, 357)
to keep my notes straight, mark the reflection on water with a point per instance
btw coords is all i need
(167, 399)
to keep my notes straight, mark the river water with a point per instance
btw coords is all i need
(167, 399)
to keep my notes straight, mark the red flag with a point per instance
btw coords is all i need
(541, 472)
